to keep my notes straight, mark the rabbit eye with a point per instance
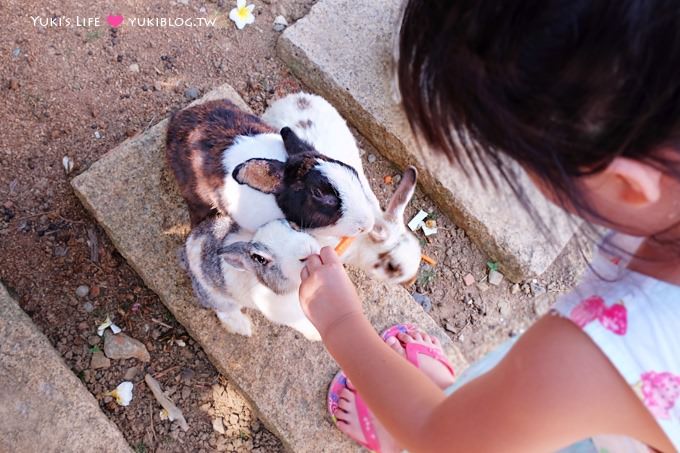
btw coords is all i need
(259, 258)
(391, 267)
(317, 193)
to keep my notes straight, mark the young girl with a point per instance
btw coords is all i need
(585, 96)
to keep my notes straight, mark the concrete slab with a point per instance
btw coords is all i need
(342, 50)
(133, 196)
(43, 406)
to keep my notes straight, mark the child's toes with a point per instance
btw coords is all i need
(405, 338)
(396, 345)
(345, 405)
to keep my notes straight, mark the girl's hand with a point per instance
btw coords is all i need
(327, 295)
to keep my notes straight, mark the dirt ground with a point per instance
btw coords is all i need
(79, 91)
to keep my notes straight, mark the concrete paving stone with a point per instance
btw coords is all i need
(44, 408)
(134, 197)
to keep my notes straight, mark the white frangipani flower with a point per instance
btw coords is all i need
(105, 325)
(242, 15)
(122, 393)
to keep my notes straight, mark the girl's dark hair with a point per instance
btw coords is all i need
(560, 86)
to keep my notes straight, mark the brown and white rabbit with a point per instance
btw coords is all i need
(228, 161)
(390, 251)
(231, 269)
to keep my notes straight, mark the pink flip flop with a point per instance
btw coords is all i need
(414, 350)
(339, 383)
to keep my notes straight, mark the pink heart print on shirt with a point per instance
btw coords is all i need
(114, 21)
(613, 318)
(660, 392)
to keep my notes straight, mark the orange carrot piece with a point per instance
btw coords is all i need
(343, 245)
(428, 260)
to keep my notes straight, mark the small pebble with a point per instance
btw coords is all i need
(514, 289)
(186, 375)
(483, 287)
(396, 179)
(280, 23)
(131, 373)
(536, 288)
(495, 277)
(13, 84)
(423, 301)
(469, 280)
(82, 291)
(16, 52)
(218, 426)
(450, 327)
(94, 291)
(88, 307)
(121, 346)
(60, 250)
(93, 340)
(97, 135)
(99, 360)
(192, 93)
(134, 67)
(371, 158)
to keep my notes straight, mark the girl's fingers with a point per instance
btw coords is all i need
(304, 274)
(313, 263)
(328, 256)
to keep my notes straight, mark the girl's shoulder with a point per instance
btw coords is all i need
(635, 321)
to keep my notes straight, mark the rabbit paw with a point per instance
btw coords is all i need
(236, 322)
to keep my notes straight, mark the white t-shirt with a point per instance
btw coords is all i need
(635, 321)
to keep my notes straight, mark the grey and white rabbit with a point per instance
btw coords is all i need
(389, 251)
(230, 162)
(231, 269)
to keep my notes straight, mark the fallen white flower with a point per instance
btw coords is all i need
(427, 230)
(242, 15)
(67, 162)
(417, 220)
(105, 325)
(122, 393)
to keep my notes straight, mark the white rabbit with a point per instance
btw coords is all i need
(229, 161)
(389, 251)
(231, 269)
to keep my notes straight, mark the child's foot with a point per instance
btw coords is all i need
(347, 414)
(430, 366)
(348, 422)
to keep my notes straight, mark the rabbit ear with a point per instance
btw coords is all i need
(265, 175)
(379, 233)
(245, 256)
(237, 255)
(403, 194)
(293, 143)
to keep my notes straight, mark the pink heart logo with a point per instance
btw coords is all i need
(114, 21)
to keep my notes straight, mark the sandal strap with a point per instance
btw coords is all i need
(367, 427)
(413, 352)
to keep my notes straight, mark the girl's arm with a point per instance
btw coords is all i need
(553, 388)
